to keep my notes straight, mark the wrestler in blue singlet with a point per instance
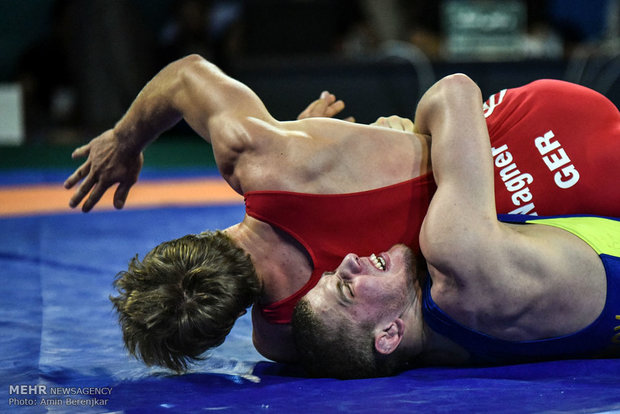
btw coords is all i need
(599, 339)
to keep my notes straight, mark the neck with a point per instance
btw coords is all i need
(440, 350)
(437, 348)
(413, 337)
(281, 265)
(421, 343)
(247, 238)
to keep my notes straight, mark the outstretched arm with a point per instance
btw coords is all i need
(213, 104)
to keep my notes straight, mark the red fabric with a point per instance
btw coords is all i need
(330, 226)
(581, 150)
(583, 124)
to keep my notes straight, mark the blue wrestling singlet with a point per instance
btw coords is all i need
(599, 339)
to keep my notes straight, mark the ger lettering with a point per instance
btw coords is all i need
(556, 159)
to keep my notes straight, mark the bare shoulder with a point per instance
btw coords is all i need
(322, 155)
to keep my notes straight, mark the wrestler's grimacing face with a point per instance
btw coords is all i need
(365, 289)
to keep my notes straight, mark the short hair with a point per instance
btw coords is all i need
(345, 350)
(183, 298)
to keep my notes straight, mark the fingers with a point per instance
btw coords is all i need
(395, 122)
(380, 122)
(309, 111)
(120, 195)
(77, 175)
(82, 191)
(321, 105)
(94, 198)
(80, 152)
(328, 97)
(328, 106)
(83, 170)
(334, 108)
(407, 124)
(325, 106)
(98, 190)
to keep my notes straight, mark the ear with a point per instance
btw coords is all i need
(388, 339)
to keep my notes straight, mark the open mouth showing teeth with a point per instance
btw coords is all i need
(377, 261)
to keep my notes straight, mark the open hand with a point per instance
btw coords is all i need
(107, 163)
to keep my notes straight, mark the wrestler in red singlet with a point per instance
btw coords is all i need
(556, 148)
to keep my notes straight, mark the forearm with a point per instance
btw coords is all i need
(152, 112)
(218, 108)
(190, 88)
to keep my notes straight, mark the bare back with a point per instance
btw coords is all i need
(327, 156)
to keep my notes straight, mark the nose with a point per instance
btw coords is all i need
(350, 266)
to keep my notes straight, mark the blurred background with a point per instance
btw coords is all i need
(70, 68)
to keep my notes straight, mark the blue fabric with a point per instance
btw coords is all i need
(57, 329)
(593, 340)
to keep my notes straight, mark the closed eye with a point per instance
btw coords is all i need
(345, 292)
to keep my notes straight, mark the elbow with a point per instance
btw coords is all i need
(192, 59)
(193, 64)
(451, 91)
(456, 86)
(188, 62)
(456, 79)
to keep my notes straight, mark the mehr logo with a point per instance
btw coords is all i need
(37, 389)
(45, 396)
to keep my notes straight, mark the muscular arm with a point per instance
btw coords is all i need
(512, 282)
(216, 106)
(195, 90)
(462, 216)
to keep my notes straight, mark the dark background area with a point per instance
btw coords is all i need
(78, 64)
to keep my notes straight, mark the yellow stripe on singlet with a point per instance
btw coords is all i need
(602, 234)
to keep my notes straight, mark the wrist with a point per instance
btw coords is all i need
(130, 140)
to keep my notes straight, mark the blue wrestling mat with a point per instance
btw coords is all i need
(61, 348)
